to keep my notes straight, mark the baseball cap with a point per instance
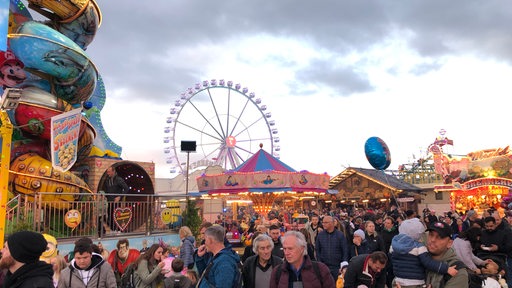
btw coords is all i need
(444, 230)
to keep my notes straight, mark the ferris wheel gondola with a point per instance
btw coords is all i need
(227, 122)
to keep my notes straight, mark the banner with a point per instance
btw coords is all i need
(65, 131)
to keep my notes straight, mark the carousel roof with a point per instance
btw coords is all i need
(262, 161)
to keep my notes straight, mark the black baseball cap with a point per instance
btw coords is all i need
(444, 230)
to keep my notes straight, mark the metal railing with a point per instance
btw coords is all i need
(92, 216)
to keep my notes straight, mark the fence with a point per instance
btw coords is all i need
(92, 215)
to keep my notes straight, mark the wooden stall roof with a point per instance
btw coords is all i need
(389, 181)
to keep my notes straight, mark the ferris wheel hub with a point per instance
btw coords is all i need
(231, 141)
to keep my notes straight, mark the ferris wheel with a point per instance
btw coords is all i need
(227, 122)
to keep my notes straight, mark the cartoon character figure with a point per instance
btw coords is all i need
(11, 70)
(303, 180)
(51, 248)
(230, 182)
(268, 180)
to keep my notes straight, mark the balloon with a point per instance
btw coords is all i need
(377, 153)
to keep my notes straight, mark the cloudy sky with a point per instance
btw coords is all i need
(332, 73)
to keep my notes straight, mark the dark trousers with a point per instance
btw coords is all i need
(110, 215)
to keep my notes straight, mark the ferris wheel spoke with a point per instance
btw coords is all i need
(239, 117)
(200, 131)
(253, 140)
(216, 114)
(249, 126)
(231, 158)
(207, 121)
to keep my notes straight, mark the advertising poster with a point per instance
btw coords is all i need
(65, 131)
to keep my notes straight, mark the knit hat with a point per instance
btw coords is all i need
(412, 228)
(359, 233)
(26, 246)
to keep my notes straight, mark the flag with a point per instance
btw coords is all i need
(65, 130)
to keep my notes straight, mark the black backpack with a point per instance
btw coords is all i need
(128, 277)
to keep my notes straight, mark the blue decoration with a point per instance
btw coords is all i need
(87, 105)
(377, 153)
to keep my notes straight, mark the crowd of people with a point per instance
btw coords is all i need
(337, 248)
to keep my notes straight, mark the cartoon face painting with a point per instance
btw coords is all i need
(11, 70)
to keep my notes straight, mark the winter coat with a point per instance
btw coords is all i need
(223, 271)
(375, 243)
(358, 250)
(187, 251)
(147, 276)
(115, 185)
(358, 273)
(410, 258)
(249, 269)
(331, 249)
(307, 275)
(99, 272)
(457, 281)
(32, 275)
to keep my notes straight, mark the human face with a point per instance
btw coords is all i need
(370, 228)
(376, 266)
(328, 223)
(83, 260)
(388, 224)
(6, 261)
(437, 245)
(295, 226)
(314, 220)
(110, 172)
(158, 254)
(292, 252)
(265, 250)
(490, 226)
(275, 233)
(54, 264)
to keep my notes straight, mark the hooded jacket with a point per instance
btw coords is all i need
(99, 275)
(223, 271)
(410, 258)
(32, 275)
(187, 251)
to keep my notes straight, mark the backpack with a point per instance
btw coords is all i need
(128, 277)
(315, 268)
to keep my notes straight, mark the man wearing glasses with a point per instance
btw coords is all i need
(331, 246)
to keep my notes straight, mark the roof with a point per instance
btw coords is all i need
(262, 161)
(378, 176)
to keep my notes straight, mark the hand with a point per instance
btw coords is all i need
(201, 250)
(478, 271)
(452, 271)
(494, 247)
(161, 264)
(117, 199)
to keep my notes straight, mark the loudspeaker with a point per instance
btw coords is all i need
(188, 146)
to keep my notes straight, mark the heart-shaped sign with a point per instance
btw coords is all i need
(123, 217)
(98, 163)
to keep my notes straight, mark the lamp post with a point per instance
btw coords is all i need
(187, 146)
(10, 99)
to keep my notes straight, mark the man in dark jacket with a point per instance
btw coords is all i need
(298, 270)
(331, 246)
(113, 186)
(368, 270)
(275, 233)
(260, 266)
(20, 256)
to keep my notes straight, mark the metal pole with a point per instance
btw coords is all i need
(186, 183)
(6, 136)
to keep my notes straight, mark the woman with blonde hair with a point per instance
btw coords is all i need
(187, 246)
(58, 264)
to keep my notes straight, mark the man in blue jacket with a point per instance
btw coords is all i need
(222, 269)
(331, 246)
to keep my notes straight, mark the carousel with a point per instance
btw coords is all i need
(264, 179)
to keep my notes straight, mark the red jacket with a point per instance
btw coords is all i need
(307, 274)
(133, 254)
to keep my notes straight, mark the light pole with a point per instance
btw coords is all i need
(9, 101)
(187, 146)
